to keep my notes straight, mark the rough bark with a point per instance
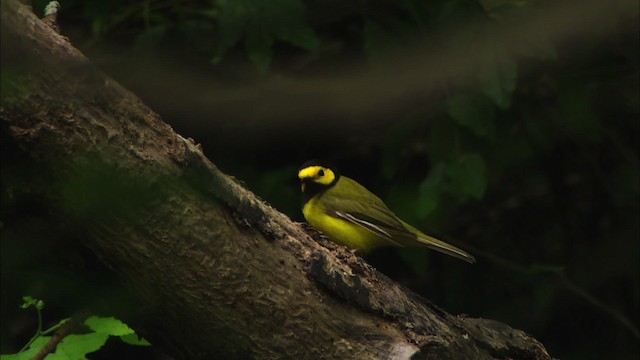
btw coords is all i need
(222, 274)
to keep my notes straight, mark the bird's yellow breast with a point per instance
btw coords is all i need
(338, 230)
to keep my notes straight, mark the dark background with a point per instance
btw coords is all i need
(507, 127)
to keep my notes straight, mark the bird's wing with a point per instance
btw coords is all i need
(378, 228)
(371, 214)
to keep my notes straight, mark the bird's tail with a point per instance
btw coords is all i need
(445, 248)
(440, 245)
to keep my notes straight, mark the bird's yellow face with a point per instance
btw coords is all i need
(317, 174)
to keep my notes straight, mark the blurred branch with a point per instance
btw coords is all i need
(564, 281)
(413, 74)
(611, 312)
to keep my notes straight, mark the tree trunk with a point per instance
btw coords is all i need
(222, 274)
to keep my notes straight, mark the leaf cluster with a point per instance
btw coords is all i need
(78, 345)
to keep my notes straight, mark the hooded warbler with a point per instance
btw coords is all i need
(351, 215)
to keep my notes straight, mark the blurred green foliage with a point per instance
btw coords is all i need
(531, 162)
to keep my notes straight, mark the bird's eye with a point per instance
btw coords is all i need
(321, 173)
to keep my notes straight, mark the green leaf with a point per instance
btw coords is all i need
(30, 352)
(287, 19)
(134, 339)
(429, 191)
(468, 176)
(475, 113)
(78, 346)
(30, 301)
(108, 325)
(258, 45)
(301, 36)
(18, 356)
(260, 22)
(232, 20)
(27, 301)
(497, 75)
(199, 34)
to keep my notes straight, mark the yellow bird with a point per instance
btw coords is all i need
(351, 215)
